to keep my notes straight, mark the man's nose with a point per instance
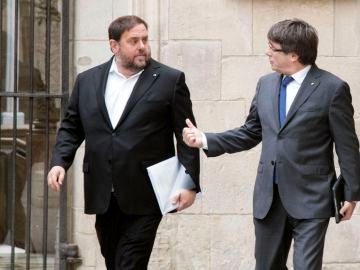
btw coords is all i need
(141, 44)
(268, 51)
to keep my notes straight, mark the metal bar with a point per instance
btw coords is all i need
(33, 95)
(46, 161)
(1, 48)
(29, 159)
(2, 76)
(65, 93)
(14, 136)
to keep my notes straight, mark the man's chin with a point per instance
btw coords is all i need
(273, 68)
(141, 64)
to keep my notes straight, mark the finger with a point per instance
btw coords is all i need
(186, 132)
(53, 181)
(182, 204)
(188, 139)
(189, 123)
(346, 212)
(342, 211)
(61, 178)
(346, 216)
(55, 185)
(175, 199)
(49, 178)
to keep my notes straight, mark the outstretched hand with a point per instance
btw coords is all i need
(192, 136)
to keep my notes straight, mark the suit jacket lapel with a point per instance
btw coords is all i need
(147, 78)
(101, 80)
(307, 87)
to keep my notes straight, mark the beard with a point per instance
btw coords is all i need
(134, 64)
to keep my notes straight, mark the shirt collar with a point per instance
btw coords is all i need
(301, 74)
(114, 70)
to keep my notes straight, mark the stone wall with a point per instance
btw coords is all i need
(220, 45)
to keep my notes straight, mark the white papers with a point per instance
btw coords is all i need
(6, 250)
(167, 178)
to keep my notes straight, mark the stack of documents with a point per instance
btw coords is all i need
(168, 177)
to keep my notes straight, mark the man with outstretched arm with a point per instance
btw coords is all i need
(298, 113)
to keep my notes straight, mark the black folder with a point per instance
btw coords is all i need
(338, 196)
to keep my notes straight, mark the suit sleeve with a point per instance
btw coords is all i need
(182, 109)
(70, 134)
(238, 139)
(342, 128)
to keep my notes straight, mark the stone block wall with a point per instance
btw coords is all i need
(220, 45)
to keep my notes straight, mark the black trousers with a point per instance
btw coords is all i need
(275, 233)
(126, 241)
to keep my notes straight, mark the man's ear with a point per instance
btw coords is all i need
(114, 45)
(294, 57)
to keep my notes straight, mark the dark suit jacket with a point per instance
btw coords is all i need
(156, 110)
(302, 150)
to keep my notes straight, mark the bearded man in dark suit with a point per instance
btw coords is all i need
(127, 110)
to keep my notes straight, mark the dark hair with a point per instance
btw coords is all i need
(122, 24)
(296, 36)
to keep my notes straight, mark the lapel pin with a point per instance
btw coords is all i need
(154, 75)
(312, 83)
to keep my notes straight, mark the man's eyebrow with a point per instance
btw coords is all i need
(139, 37)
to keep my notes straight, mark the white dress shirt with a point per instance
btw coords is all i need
(293, 88)
(118, 91)
(291, 91)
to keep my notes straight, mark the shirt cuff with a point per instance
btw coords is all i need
(204, 141)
